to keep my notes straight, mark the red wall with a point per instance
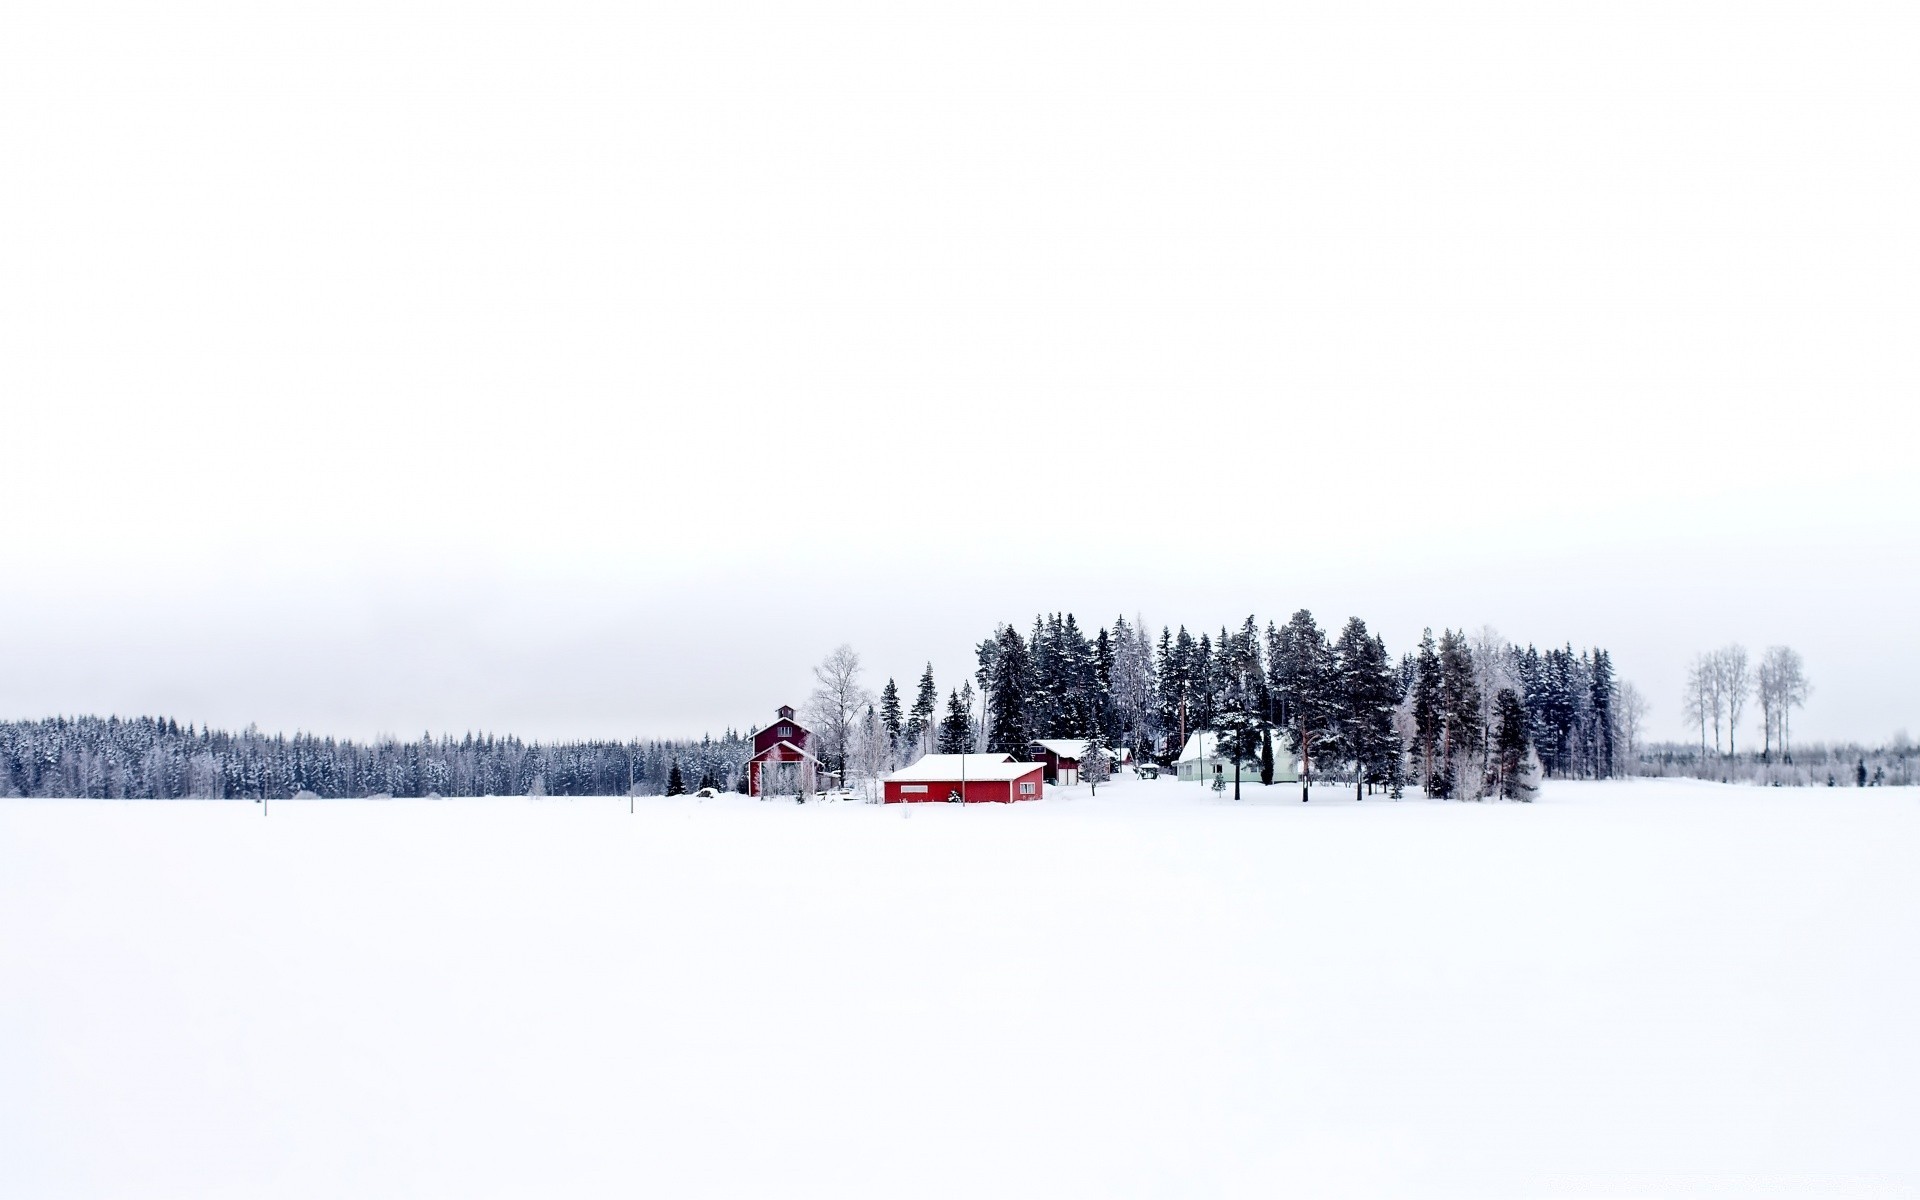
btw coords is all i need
(770, 736)
(995, 791)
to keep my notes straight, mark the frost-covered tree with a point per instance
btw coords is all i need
(873, 753)
(836, 704)
(1630, 715)
(1735, 685)
(1780, 685)
(1096, 763)
(1134, 706)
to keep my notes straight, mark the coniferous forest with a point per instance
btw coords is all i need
(1456, 716)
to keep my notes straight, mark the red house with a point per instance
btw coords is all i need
(975, 778)
(780, 746)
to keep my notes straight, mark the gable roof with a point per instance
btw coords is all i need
(982, 768)
(788, 745)
(1204, 743)
(1063, 747)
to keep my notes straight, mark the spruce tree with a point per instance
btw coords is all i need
(920, 717)
(956, 731)
(1005, 691)
(1511, 747)
(676, 786)
(1426, 710)
(1459, 710)
(890, 712)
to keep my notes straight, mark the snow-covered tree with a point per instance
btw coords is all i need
(1096, 763)
(836, 703)
(956, 731)
(919, 729)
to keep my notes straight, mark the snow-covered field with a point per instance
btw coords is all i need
(1630, 989)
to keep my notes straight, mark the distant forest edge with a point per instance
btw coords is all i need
(1459, 717)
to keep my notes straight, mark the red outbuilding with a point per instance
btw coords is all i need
(781, 749)
(974, 778)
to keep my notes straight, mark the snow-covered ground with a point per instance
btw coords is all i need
(1629, 989)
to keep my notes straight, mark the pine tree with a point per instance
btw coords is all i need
(1366, 697)
(675, 785)
(1306, 685)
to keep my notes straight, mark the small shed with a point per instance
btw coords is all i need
(974, 778)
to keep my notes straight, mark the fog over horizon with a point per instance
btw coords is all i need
(572, 372)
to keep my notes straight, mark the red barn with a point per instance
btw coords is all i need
(1062, 758)
(976, 778)
(781, 745)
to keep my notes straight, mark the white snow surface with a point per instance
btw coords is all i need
(1628, 989)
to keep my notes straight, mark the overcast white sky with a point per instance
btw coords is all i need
(592, 370)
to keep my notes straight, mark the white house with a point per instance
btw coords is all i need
(1200, 762)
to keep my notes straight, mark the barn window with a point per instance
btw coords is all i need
(1026, 789)
(786, 731)
(917, 789)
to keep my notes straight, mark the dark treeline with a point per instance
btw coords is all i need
(1458, 716)
(1816, 764)
(144, 757)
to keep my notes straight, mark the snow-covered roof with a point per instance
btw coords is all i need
(1075, 748)
(1205, 744)
(788, 745)
(1199, 745)
(1063, 747)
(944, 767)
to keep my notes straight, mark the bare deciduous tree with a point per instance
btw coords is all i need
(836, 704)
(1791, 680)
(1736, 685)
(1629, 714)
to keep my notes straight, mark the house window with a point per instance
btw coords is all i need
(786, 731)
(913, 789)
(1026, 789)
